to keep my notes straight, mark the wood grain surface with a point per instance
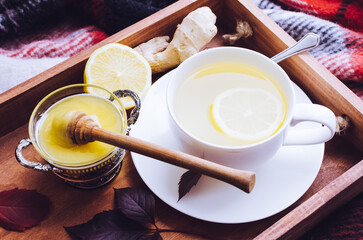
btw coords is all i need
(268, 38)
(338, 181)
(71, 206)
(82, 129)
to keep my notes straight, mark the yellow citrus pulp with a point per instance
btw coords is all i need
(247, 113)
(116, 66)
(230, 104)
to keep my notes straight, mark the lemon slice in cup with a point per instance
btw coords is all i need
(116, 66)
(249, 114)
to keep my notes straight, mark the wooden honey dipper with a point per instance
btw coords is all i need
(81, 128)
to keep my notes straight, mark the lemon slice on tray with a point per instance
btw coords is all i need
(249, 114)
(116, 66)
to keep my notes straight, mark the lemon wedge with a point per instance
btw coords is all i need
(249, 114)
(116, 66)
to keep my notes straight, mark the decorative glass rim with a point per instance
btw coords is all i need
(51, 159)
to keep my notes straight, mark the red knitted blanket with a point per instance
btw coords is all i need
(340, 25)
(338, 22)
(37, 34)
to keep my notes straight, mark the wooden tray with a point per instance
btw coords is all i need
(339, 180)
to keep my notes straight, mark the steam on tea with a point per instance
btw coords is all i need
(230, 104)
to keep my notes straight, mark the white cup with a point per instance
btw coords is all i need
(253, 154)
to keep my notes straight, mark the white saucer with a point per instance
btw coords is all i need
(279, 183)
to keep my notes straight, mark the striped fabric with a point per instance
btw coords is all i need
(347, 13)
(341, 49)
(29, 54)
(37, 34)
(64, 43)
(32, 31)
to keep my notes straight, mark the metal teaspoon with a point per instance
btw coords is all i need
(308, 42)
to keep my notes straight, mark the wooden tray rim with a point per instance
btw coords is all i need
(300, 219)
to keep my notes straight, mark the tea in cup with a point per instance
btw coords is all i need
(85, 166)
(238, 105)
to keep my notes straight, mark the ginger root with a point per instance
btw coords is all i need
(343, 124)
(243, 30)
(197, 29)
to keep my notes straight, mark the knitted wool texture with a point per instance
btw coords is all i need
(23, 35)
(17, 16)
(340, 50)
(348, 13)
(114, 15)
(36, 34)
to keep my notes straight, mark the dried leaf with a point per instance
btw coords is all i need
(108, 225)
(154, 236)
(21, 209)
(188, 180)
(136, 203)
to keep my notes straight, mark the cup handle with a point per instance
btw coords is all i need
(136, 110)
(24, 143)
(314, 113)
